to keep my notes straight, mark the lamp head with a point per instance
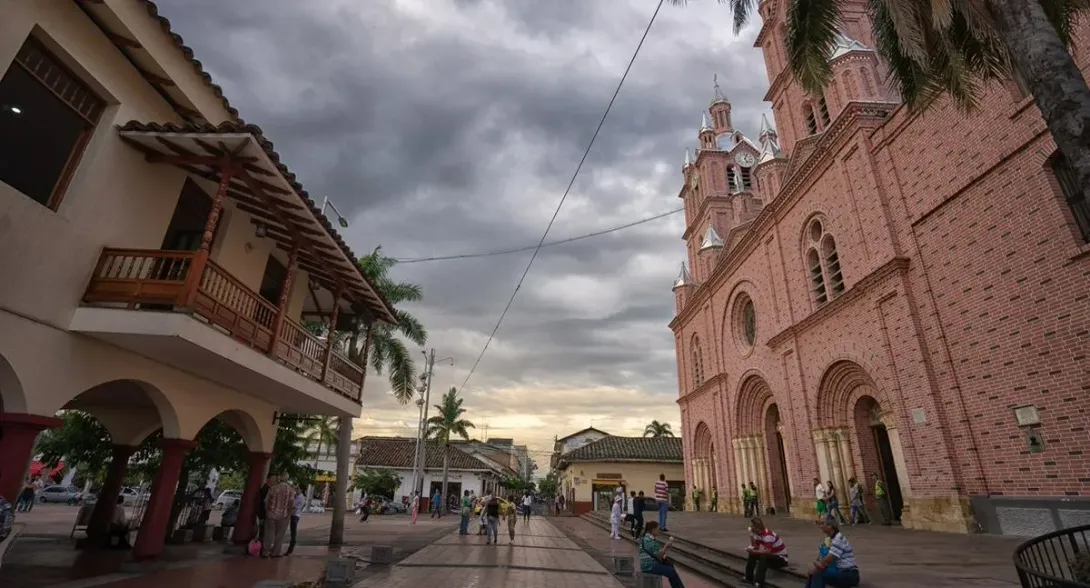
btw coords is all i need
(343, 222)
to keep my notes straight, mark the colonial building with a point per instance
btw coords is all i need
(590, 474)
(467, 469)
(876, 293)
(159, 259)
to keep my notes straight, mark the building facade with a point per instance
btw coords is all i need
(159, 259)
(574, 441)
(876, 293)
(590, 474)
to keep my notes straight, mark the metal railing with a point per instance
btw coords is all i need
(1060, 559)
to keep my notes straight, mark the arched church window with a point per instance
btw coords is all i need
(868, 83)
(811, 121)
(732, 179)
(817, 279)
(746, 178)
(823, 264)
(698, 362)
(832, 265)
(849, 87)
(823, 108)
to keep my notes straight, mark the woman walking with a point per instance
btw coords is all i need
(615, 517)
(833, 503)
(512, 515)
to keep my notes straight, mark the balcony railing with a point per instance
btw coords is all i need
(157, 280)
(1060, 559)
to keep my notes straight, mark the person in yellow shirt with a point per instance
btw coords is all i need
(511, 514)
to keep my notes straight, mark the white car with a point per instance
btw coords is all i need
(227, 497)
(131, 496)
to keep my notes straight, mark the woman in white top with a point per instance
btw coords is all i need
(615, 517)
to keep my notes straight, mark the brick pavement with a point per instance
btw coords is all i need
(886, 555)
(540, 556)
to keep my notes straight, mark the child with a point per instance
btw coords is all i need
(615, 517)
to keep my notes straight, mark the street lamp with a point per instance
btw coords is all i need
(340, 218)
(422, 453)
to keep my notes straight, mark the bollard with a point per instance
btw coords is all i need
(339, 573)
(622, 566)
(649, 581)
(382, 555)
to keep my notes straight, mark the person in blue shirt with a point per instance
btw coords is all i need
(653, 558)
(436, 505)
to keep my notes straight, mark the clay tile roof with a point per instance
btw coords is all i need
(267, 146)
(153, 11)
(398, 452)
(659, 449)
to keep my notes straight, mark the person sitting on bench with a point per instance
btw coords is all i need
(766, 550)
(119, 525)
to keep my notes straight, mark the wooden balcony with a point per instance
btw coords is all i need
(161, 281)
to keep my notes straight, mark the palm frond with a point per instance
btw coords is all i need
(908, 22)
(398, 292)
(812, 30)
(402, 371)
(381, 342)
(742, 11)
(411, 327)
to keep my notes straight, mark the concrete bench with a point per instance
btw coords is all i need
(648, 581)
(382, 555)
(623, 566)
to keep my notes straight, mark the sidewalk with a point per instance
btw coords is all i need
(890, 557)
(540, 557)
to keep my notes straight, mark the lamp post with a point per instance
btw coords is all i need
(326, 203)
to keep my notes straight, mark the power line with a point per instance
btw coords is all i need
(549, 244)
(567, 190)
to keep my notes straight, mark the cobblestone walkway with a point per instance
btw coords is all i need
(539, 557)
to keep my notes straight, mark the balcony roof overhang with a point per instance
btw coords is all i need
(262, 186)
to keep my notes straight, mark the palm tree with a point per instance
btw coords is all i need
(447, 422)
(935, 48)
(322, 431)
(657, 429)
(387, 351)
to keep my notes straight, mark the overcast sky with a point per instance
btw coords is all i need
(453, 126)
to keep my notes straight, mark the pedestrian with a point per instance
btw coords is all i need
(562, 501)
(766, 551)
(630, 512)
(637, 514)
(662, 498)
(492, 520)
(653, 559)
(832, 503)
(527, 505)
(436, 505)
(298, 504)
(747, 502)
(262, 496)
(756, 497)
(26, 497)
(556, 502)
(279, 505)
(615, 517)
(884, 509)
(857, 511)
(465, 511)
(820, 496)
(715, 499)
(512, 516)
(835, 565)
(365, 509)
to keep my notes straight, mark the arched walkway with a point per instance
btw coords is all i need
(776, 455)
(858, 437)
(754, 450)
(705, 473)
(11, 389)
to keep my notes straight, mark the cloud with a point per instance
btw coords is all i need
(454, 126)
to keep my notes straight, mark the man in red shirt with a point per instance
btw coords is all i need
(766, 551)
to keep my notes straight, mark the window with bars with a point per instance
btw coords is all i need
(817, 278)
(746, 178)
(698, 363)
(732, 179)
(832, 266)
(1073, 195)
(824, 109)
(823, 265)
(811, 121)
(47, 115)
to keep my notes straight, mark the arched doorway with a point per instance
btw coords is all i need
(779, 476)
(705, 475)
(876, 450)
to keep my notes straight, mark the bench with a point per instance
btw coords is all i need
(16, 529)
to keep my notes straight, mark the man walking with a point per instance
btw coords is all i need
(298, 503)
(857, 509)
(696, 499)
(883, 501)
(436, 505)
(279, 506)
(662, 498)
(466, 510)
(715, 500)
(262, 496)
(637, 515)
(527, 505)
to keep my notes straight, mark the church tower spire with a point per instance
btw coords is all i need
(720, 109)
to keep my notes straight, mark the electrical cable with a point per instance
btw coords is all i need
(549, 244)
(567, 190)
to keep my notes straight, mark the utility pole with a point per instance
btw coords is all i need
(419, 430)
(422, 451)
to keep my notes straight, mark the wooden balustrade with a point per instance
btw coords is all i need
(156, 280)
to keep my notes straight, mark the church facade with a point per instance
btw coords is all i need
(875, 293)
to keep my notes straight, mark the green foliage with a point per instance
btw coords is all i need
(378, 481)
(387, 351)
(321, 433)
(550, 485)
(449, 422)
(233, 480)
(657, 429)
(515, 483)
(290, 453)
(81, 442)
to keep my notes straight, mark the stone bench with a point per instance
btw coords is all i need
(623, 566)
(649, 581)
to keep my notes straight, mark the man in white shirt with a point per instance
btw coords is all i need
(297, 512)
(821, 495)
(527, 504)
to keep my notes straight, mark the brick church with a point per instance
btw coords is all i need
(871, 292)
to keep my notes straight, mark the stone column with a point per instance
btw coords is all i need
(821, 448)
(153, 529)
(18, 432)
(247, 508)
(739, 472)
(99, 526)
(764, 485)
(899, 461)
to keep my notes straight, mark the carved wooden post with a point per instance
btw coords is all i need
(285, 296)
(333, 317)
(363, 358)
(200, 258)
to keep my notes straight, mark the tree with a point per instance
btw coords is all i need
(82, 442)
(321, 431)
(657, 429)
(549, 485)
(935, 48)
(388, 352)
(446, 423)
(380, 481)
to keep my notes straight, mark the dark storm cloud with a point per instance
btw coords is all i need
(453, 126)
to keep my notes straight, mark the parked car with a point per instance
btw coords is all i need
(131, 496)
(58, 493)
(227, 497)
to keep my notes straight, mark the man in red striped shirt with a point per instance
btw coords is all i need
(766, 551)
(662, 497)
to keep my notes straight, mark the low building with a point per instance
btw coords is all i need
(465, 471)
(590, 474)
(574, 441)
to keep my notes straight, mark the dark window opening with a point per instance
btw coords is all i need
(824, 108)
(747, 180)
(811, 122)
(272, 283)
(46, 118)
(1073, 194)
(190, 217)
